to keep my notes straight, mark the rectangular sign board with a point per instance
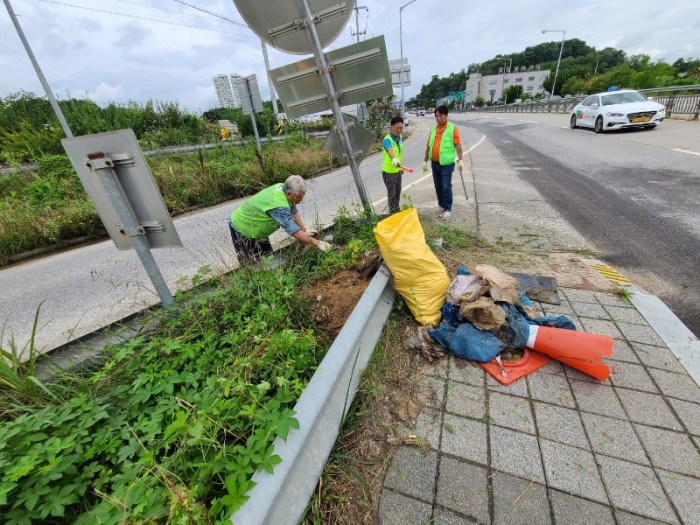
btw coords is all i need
(360, 72)
(136, 183)
(247, 89)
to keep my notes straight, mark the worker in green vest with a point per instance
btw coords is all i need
(392, 157)
(264, 213)
(444, 142)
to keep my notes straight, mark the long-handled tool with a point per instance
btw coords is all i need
(461, 177)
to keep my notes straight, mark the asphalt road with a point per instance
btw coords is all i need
(633, 195)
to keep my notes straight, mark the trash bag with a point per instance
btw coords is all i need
(483, 313)
(468, 342)
(419, 276)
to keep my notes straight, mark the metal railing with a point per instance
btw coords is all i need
(671, 97)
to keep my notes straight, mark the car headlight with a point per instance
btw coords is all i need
(661, 111)
(611, 114)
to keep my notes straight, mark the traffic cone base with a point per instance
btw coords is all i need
(579, 350)
(514, 370)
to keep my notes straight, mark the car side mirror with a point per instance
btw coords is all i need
(594, 105)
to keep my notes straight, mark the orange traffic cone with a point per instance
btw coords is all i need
(579, 350)
(505, 372)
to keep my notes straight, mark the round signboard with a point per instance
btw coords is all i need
(279, 23)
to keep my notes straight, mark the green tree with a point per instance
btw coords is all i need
(512, 92)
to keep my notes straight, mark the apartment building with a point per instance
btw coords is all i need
(491, 87)
(226, 91)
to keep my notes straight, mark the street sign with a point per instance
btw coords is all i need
(125, 160)
(400, 72)
(249, 92)
(280, 23)
(359, 72)
(361, 139)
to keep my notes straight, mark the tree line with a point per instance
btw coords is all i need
(583, 70)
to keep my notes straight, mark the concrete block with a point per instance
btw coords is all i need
(621, 314)
(622, 351)
(680, 386)
(466, 372)
(560, 424)
(465, 400)
(517, 388)
(640, 334)
(612, 300)
(431, 392)
(591, 310)
(635, 488)
(464, 488)
(658, 357)
(445, 517)
(427, 427)
(670, 450)
(511, 412)
(572, 470)
(551, 388)
(685, 494)
(412, 472)
(581, 296)
(689, 413)
(614, 437)
(516, 453)
(464, 438)
(597, 398)
(601, 327)
(397, 509)
(649, 409)
(629, 375)
(519, 502)
(573, 510)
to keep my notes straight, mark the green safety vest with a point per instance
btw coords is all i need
(387, 165)
(251, 218)
(447, 147)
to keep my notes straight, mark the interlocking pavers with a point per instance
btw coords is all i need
(689, 414)
(614, 437)
(466, 372)
(464, 438)
(463, 488)
(516, 453)
(625, 315)
(650, 409)
(640, 334)
(680, 386)
(572, 510)
(445, 517)
(412, 472)
(517, 388)
(428, 426)
(597, 398)
(592, 310)
(658, 357)
(635, 488)
(601, 327)
(678, 453)
(572, 470)
(622, 351)
(558, 309)
(466, 400)
(632, 376)
(512, 412)
(552, 388)
(397, 509)
(432, 391)
(685, 494)
(612, 300)
(519, 502)
(581, 296)
(627, 518)
(438, 368)
(560, 424)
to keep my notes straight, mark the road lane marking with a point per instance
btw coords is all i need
(687, 151)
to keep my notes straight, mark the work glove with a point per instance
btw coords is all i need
(325, 246)
(396, 162)
(312, 233)
(425, 167)
(460, 165)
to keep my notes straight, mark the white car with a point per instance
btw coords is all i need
(617, 110)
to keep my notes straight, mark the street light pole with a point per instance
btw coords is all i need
(563, 37)
(403, 103)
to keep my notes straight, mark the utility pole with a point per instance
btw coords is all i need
(357, 22)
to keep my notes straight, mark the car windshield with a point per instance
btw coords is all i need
(622, 98)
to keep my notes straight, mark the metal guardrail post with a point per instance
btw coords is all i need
(697, 111)
(669, 106)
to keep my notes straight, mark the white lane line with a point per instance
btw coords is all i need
(687, 151)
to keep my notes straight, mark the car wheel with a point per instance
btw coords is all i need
(572, 122)
(599, 125)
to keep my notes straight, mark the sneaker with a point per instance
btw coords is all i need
(447, 214)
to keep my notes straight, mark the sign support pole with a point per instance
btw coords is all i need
(342, 128)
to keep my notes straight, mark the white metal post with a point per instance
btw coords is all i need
(563, 37)
(403, 103)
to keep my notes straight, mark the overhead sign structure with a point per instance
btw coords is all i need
(361, 139)
(359, 71)
(114, 173)
(281, 25)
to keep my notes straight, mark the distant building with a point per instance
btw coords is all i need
(226, 91)
(491, 87)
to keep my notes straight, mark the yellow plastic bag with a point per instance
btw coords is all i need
(419, 276)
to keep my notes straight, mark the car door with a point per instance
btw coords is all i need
(593, 111)
(582, 112)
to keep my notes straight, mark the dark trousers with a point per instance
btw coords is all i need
(442, 178)
(249, 249)
(392, 181)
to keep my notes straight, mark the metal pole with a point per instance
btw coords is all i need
(102, 167)
(273, 97)
(563, 37)
(322, 64)
(252, 115)
(42, 79)
(403, 104)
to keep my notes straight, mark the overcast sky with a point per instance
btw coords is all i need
(110, 57)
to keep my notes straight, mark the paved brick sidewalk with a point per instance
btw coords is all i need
(556, 446)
